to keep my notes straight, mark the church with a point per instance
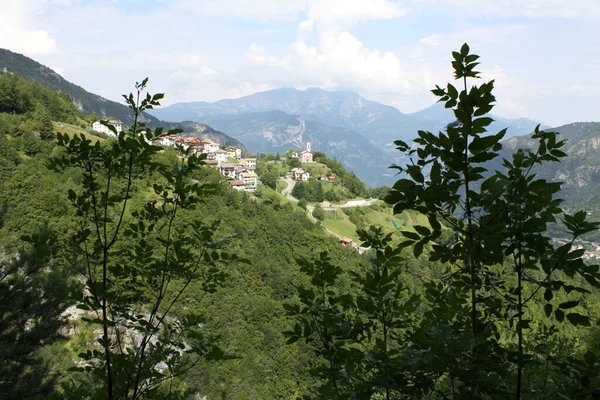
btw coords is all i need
(306, 156)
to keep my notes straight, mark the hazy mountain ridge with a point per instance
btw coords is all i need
(436, 117)
(339, 109)
(89, 103)
(579, 172)
(276, 131)
(379, 123)
(269, 121)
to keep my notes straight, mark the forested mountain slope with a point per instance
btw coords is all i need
(40, 339)
(579, 172)
(89, 103)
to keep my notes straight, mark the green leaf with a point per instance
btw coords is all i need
(548, 309)
(422, 230)
(452, 92)
(292, 340)
(568, 304)
(464, 50)
(578, 319)
(418, 249)
(411, 235)
(559, 315)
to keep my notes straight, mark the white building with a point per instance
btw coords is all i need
(221, 156)
(251, 181)
(168, 140)
(306, 156)
(98, 127)
(300, 174)
(235, 152)
(249, 163)
(209, 146)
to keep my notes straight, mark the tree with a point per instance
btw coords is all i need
(500, 259)
(323, 321)
(497, 288)
(294, 162)
(302, 203)
(30, 143)
(318, 213)
(269, 178)
(330, 196)
(132, 287)
(33, 294)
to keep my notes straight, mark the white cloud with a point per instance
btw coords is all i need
(245, 9)
(433, 40)
(345, 60)
(259, 55)
(325, 54)
(192, 56)
(17, 31)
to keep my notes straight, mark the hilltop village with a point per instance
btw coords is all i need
(230, 163)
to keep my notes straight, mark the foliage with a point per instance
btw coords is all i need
(294, 162)
(269, 177)
(500, 258)
(245, 312)
(309, 191)
(32, 71)
(384, 324)
(348, 180)
(358, 337)
(302, 203)
(33, 294)
(40, 104)
(380, 192)
(131, 291)
(318, 213)
(500, 293)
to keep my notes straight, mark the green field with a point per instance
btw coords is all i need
(340, 225)
(380, 216)
(281, 185)
(75, 130)
(317, 169)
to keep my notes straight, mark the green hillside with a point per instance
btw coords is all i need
(89, 103)
(246, 312)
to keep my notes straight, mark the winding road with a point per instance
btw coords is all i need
(287, 192)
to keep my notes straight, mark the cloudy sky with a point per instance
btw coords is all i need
(544, 54)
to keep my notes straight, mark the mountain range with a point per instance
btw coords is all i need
(89, 103)
(359, 132)
(343, 125)
(579, 172)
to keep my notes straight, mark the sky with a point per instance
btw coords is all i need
(543, 54)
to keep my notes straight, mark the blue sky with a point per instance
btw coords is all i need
(544, 54)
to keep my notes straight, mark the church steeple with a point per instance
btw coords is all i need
(308, 145)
